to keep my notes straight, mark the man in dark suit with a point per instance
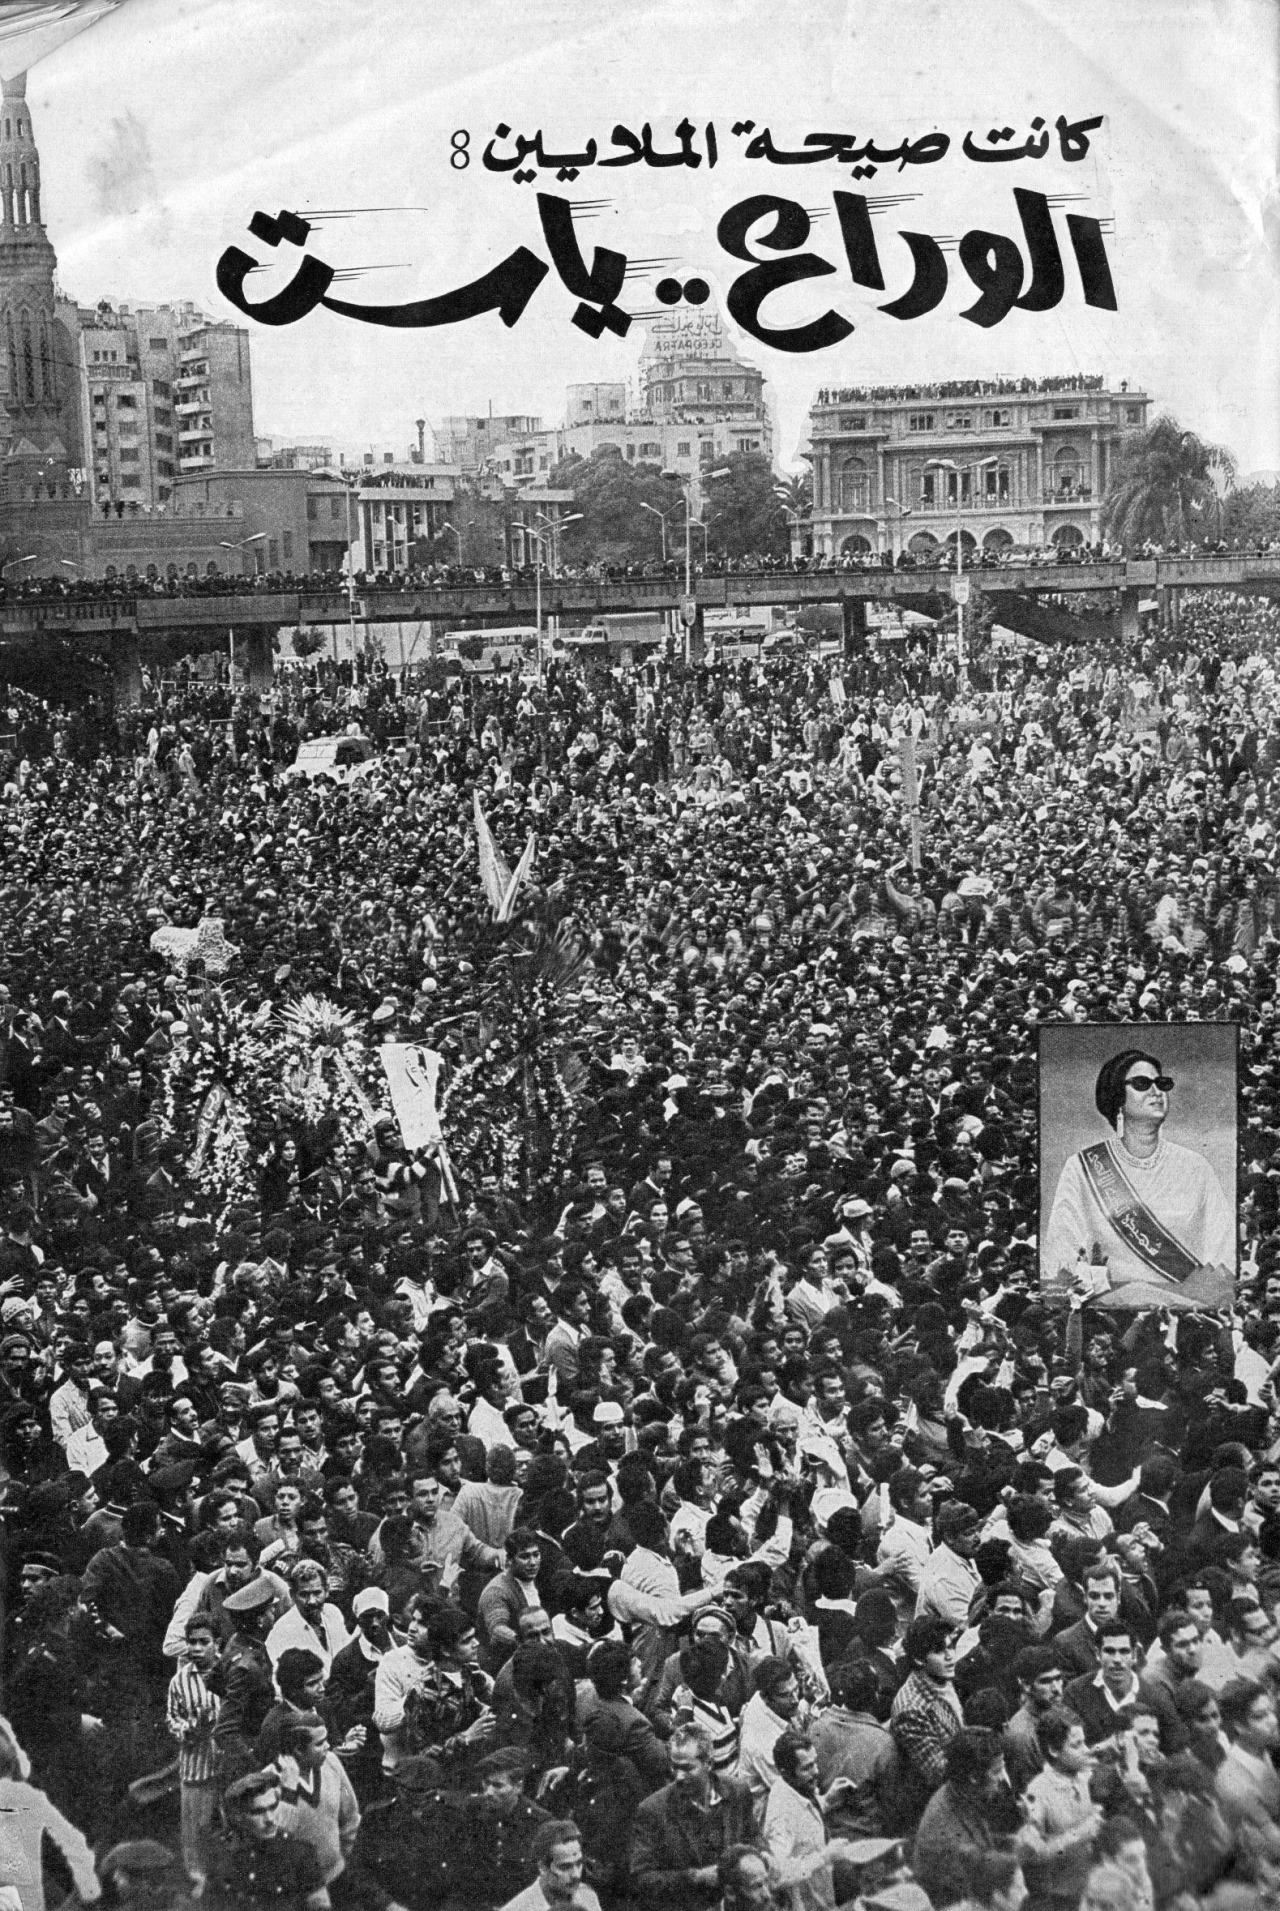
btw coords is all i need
(1106, 1701)
(681, 1832)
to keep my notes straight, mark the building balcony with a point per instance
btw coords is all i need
(190, 463)
(186, 406)
(194, 432)
(1083, 494)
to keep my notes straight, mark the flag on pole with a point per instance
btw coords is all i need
(513, 887)
(494, 873)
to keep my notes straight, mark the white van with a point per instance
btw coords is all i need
(331, 760)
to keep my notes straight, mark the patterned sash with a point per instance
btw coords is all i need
(1131, 1218)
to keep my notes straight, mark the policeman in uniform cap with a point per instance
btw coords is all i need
(244, 1674)
(255, 1864)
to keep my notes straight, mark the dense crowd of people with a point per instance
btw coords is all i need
(964, 388)
(726, 1519)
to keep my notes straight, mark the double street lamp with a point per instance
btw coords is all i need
(949, 464)
(553, 525)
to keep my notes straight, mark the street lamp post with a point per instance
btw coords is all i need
(554, 525)
(446, 526)
(903, 511)
(661, 516)
(686, 485)
(949, 464)
(238, 544)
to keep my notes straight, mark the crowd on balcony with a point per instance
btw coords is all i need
(962, 388)
(124, 589)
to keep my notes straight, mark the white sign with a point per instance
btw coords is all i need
(959, 590)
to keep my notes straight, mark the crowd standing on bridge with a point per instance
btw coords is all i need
(726, 1520)
(936, 554)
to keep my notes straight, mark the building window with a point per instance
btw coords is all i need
(158, 344)
(586, 404)
(1066, 411)
(163, 493)
(128, 455)
(130, 482)
(1133, 414)
(313, 509)
(1067, 472)
(286, 538)
(853, 421)
(959, 421)
(707, 451)
(165, 467)
(855, 486)
(28, 361)
(921, 420)
(160, 389)
(996, 481)
(748, 444)
(125, 401)
(1003, 417)
(631, 451)
(164, 440)
(927, 488)
(335, 507)
(684, 448)
(273, 553)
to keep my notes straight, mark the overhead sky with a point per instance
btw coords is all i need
(169, 122)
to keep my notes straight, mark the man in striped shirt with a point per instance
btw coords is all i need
(191, 1713)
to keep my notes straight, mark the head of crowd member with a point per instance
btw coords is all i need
(524, 1554)
(1181, 1642)
(1249, 1717)
(533, 1627)
(648, 1527)
(301, 1677)
(252, 1805)
(310, 1588)
(929, 1646)
(502, 1775)
(453, 1638)
(745, 1879)
(557, 1852)
(959, 1528)
(595, 1505)
(306, 1740)
(1062, 1742)
(1198, 1708)
(975, 1761)
(1121, 1846)
(775, 1682)
(371, 1610)
(609, 1668)
(1101, 1592)
(1248, 1627)
(690, 1752)
(201, 1645)
(1199, 1596)
(1039, 1678)
(796, 1760)
(1117, 1653)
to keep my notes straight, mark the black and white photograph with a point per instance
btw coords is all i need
(639, 933)
(1138, 1162)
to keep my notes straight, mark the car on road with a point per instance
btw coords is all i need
(340, 760)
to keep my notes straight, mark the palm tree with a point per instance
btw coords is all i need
(1167, 486)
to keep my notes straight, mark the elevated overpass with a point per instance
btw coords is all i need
(104, 623)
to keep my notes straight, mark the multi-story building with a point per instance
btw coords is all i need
(1012, 461)
(697, 403)
(472, 442)
(213, 400)
(163, 390)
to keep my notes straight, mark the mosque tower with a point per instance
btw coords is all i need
(38, 388)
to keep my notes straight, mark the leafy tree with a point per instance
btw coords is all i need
(1252, 513)
(1167, 487)
(609, 491)
(746, 516)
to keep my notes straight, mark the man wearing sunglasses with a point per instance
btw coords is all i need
(1153, 1210)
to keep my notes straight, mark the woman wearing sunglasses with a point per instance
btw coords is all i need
(1151, 1208)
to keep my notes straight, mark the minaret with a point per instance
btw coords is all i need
(33, 384)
